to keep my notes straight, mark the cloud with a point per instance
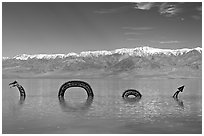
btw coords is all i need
(112, 10)
(199, 8)
(133, 39)
(105, 11)
(196, 17)
(138, 28)
(169, 42)
(167, 9)
(136, 31)
(132, 33)
(144, 5)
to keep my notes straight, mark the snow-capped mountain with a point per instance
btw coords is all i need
(139, 51)
(106, 62)
(5, 58)
(42, 56)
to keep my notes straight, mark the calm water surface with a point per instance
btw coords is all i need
(156, 112)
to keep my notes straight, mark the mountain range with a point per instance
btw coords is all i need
(126, 62)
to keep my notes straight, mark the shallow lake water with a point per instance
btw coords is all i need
(156, 112)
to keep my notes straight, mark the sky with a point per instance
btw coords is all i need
(64, 27)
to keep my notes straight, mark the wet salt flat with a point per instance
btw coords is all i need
(156, 112)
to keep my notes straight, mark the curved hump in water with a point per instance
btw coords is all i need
(133, 92)
(81, 84)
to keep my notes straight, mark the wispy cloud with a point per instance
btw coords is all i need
(196, 17)
(168, 42)
(105, 11)
(144, 5)
(138, 28)
(135, 32)
(199, 15)
(133, 39)
(167, 9)
(199, 8)
(112, 10)
(132, 33)
(164, 42)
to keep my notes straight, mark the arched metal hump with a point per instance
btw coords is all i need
(81, 84)
(131, 92)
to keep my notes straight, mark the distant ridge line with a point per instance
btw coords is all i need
(138, 51)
